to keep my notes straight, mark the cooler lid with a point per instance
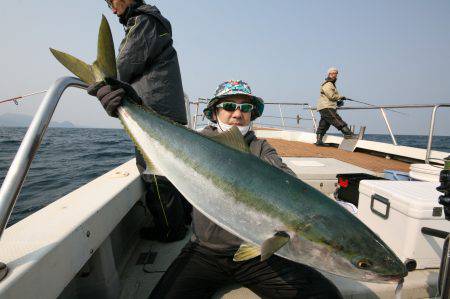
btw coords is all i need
(311, 168)
(415, 199)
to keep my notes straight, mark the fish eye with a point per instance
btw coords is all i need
(364, 264)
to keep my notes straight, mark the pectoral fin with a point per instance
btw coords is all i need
(246, 252)
(273, 244)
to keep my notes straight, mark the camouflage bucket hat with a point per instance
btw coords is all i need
(232, 88)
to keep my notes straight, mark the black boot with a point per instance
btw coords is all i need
(347, 133)
(319, 141)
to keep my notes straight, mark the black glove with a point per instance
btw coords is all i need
(340, 103)
(111, 92)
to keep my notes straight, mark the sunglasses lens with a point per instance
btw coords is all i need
(229, 106)
(246, 107)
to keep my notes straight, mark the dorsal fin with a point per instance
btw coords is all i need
(233, 138)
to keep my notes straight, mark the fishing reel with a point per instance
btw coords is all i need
(444, 179)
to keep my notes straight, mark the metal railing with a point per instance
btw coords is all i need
(299, 106)
(312, 110)
(18, 170)
(410, 106)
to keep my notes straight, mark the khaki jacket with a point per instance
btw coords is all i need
(328, 96)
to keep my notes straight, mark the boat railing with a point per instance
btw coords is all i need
(198, 117)
(383, 109)
(12, 184)
(284, 119)
(18, 170)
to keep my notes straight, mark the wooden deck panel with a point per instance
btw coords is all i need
(300, 149)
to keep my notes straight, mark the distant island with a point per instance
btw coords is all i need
(24, 120)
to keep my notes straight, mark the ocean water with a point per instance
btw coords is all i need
(66, 160)
(69, 158)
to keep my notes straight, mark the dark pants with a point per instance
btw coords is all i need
(329, 117)
(198, 273)
(170, 210)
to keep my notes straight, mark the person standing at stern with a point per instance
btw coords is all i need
(329, 101)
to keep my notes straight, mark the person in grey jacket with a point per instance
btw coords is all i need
(206, 263)
(148, 62)
(329, 101)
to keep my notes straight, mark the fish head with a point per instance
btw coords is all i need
(367, 260)
(382, 267)
(339, 243)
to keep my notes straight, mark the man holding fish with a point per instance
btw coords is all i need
(209, 261)
(148, 62)
(255, 223)
(215, 258)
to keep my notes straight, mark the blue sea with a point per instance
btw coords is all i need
(69, 158)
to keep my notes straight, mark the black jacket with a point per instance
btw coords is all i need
(148, 61)
(209, 234)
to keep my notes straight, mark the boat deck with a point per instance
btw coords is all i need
(301, 149)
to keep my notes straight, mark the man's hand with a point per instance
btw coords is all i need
(111, 93)
(110, 97)
(340, 103)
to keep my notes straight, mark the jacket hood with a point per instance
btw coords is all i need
(137, 9)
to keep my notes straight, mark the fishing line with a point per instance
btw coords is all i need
(14, 99)
(351, 100)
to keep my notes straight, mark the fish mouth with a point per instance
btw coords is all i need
(389, 279)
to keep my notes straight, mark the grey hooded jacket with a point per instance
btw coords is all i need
(148, 61)
(209, 234)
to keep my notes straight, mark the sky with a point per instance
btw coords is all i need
(388, 52)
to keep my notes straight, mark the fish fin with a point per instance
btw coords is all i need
(273, 244)
(246, 251)
(233, 138)
(79, 68)
(104, 66)
(106, 59)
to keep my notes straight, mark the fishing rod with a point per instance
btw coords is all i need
(368, 104)
(14, 99)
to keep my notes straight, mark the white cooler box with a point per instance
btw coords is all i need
(397, 211)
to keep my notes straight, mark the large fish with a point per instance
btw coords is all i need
(273, 212)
